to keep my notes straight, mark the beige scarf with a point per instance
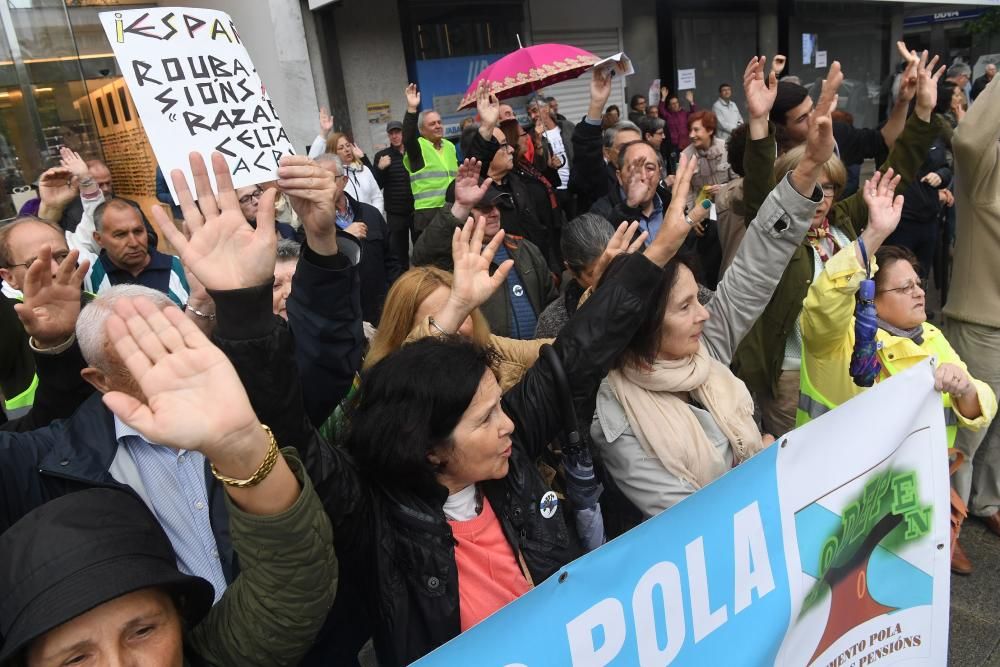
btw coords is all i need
(669, 430)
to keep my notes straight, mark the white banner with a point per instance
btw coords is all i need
(196, 90)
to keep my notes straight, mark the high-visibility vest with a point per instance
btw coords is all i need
(812, 402)
(430, 183)
(17, 405)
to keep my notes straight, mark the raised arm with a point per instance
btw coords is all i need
(318, 146)
(289, 571)
(761, 148)
(411, 133)
(588, 175)
(773, 236)
(975, 141)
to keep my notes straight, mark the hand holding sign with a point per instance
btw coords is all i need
(224, 252)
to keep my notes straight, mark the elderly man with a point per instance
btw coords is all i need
(512, 311)
(430, 158)
(126, 257)
(979, 84)
(960, 74)
(378, 268)
(392, 177)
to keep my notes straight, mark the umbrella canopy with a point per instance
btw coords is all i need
(529, 69)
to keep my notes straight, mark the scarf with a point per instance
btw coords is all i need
(916, 334)
(533, 172)
(820, 237)
(668, 429)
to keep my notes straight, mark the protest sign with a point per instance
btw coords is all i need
(829, 548)
(686, 79)
(196, 90)
(821, 59)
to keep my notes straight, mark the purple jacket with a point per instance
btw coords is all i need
(677, 124)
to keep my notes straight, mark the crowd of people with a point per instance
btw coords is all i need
(367, 404)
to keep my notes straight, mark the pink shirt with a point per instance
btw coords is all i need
(489, 576)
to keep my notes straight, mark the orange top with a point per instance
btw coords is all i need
(488, 573)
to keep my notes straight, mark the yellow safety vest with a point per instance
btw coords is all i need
(430, 183)
(812, 402)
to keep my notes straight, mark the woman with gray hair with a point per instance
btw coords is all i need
(588, 244)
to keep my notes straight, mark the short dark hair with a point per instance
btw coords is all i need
(789, 96)
(736, 146)
(645, 343)
(624, 148)
(650, 125)
(408, 406)
(635, 100)
(888, 255)
(113, 204)
(725, 85)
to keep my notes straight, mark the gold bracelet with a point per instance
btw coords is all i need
(263, 471)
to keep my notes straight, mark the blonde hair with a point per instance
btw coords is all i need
(833, 168)
(400, 312)
(334, 139)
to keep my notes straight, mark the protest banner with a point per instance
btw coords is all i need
(196, 90)
(829, 548)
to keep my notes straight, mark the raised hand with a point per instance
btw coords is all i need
(819, 139)
(675, 228)
(51, 302)
(488, 107)
(760, 93)
(884, 210)
(472, 284)
(357, 152)
(908, 80)
(778, 64)
(56, 189)
(600, 91)
(624, 240)
(384, 162)
(412, 98)
(468, 190)
(640, 186)
(325, 121)
(689, 96)
(224, 251)
(72, 161)
(927, 86)
(313, 193)
(182, 376)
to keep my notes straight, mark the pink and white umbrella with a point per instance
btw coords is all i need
(531, 68)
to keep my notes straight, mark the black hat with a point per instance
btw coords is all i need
(79, 551)
(493, 196)
(393, 125)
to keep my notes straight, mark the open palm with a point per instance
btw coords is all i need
(224, 251)
(760, 92)
(184, 378)
(884, 209)
(473, 285)
(52, 303)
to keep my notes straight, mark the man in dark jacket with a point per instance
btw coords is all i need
(392, 177)
(379, 267)
(645, 205)
(513, 310)
(980, 84)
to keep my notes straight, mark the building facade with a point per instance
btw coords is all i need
(60, 85)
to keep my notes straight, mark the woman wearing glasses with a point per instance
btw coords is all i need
(904, 336)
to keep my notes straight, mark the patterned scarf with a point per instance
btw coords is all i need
(822, 239)
(530, 170)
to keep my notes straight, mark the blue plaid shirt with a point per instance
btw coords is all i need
(174, 481)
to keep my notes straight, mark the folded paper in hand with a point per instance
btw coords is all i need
(616, 64)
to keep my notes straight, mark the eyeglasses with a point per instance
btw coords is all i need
(59, 256)
(829, 191)
(256, 194)
(909, 288)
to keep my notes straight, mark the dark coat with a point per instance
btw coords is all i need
(434, 247)
(402, 543)
(379, 266)
(590, 177)
(394, 181)
(921, 205)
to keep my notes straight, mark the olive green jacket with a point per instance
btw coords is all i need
(758, 360)
(271, 613)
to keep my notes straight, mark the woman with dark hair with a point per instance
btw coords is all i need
(671, 417)
(450, 520)
(904, 336)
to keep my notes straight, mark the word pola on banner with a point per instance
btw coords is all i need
(196, 89)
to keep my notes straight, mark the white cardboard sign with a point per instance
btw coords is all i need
(821, 59)
(196, 89)
(686, 79)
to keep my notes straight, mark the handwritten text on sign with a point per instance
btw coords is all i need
(197, 90)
